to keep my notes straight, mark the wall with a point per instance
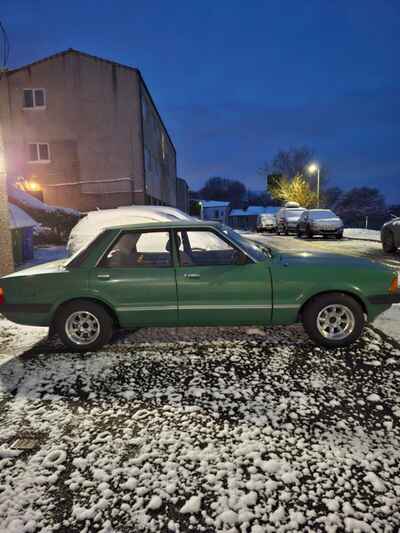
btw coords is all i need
(160, 156)
(182, 198)
(93, 125)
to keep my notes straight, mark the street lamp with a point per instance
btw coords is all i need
(314, 168)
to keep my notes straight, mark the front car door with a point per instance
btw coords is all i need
(137, 277)
(218, 284)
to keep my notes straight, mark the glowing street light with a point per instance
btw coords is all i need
(312, 169)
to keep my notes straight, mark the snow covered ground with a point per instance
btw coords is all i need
(363, 234)
(216, 429)
(389, 322)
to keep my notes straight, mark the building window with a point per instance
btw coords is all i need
(144, 109)
(34, 98)
(163, 145)
(39, 152)
(147, 159)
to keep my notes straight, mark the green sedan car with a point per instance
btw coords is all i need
(195, 274)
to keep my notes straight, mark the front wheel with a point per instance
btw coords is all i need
(333, 320)
(339, 235)
(83, 325)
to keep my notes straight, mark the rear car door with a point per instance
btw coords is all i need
(136, 275)
(218, 284)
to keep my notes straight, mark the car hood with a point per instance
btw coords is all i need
(328, 259)
(393, 222)
(45, 268)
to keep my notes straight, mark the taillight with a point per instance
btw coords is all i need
(1, 296)
(394, 286)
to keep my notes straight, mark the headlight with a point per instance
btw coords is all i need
(394, 286)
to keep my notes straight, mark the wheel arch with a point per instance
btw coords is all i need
(347, 292)
(109, 308)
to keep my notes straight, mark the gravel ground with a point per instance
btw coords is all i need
(218, 429)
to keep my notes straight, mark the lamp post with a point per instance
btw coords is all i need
(6, 252)
(312, 169)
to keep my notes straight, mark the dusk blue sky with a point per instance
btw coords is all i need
(235, 81)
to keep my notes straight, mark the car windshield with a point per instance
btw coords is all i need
(256, 251)
(322, 214)
(294, 212)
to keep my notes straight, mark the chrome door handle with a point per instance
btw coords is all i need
(103, 276)
(192, 276)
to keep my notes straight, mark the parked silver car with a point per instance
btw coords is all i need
(390, 235)
(320, 222)
(266, 222)
(287, 219)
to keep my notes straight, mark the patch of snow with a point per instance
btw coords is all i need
(362, 234)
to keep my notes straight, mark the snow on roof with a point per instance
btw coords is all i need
(20, 219)
(32, 202)
(214, 203)
(253, 210)
(237, 213)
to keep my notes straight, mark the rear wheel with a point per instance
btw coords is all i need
(83, 325)
(333, 320)
(388, 243)
(339, 235)
(309, 233)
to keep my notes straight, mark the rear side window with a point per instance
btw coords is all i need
(136, 249)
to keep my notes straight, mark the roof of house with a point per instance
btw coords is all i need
(214, 203)
(63, 53)
(253, 210)
(20, 219)
(16, 196)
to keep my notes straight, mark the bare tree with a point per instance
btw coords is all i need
(294, 162)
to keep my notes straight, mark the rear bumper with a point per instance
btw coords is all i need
(384, 299)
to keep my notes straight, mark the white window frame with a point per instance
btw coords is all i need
(33, 89)
(38, 153)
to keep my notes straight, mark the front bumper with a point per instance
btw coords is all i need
(327, 231)
(384, 299)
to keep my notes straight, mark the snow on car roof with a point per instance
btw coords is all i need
(166, 224)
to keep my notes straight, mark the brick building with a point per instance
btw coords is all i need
(89, 132)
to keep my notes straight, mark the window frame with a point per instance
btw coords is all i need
(147, 230)
(33, 90)
(38, 161)
(218, 234)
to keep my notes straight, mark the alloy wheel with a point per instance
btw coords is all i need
(82, 328)
(335, 322)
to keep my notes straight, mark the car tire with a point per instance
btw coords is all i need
(339, 235)
(309, 233)
(388, 243)
(326, 326)
(85, 320)
(299, 234)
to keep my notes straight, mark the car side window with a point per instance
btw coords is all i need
(205, 248)
(139, 250)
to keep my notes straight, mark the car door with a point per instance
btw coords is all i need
(136, 275)
(218, 284)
